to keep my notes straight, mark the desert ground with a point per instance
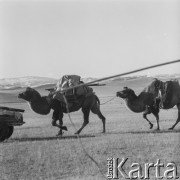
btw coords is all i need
(35, 153)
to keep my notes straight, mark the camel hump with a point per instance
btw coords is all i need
(153, 87)
(171, 86)
(175, 82)
(168, 90)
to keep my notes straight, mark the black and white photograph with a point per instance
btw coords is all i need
(89, 89)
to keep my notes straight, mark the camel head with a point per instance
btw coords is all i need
(126, 93)
(28, 94)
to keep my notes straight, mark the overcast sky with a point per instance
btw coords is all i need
(91, 38)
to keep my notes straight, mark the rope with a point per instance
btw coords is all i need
(86, 153)
(108, 100)
(103, 97)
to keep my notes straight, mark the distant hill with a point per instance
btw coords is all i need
(31, 81)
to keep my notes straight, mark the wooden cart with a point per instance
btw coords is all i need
(9, 117)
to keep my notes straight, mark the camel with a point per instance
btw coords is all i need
(153, 98)
(144, 102)
(43, 105)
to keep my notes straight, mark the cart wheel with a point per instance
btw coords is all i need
(10, 132)
(4, 130)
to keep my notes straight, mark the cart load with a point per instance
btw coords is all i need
(70, 81)
(9, 117)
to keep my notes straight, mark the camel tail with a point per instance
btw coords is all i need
(98, 101)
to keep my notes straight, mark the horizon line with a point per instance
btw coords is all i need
(147, 74)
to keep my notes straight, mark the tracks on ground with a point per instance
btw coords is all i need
(25, 139)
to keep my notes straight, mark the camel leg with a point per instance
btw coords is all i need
(155, 111)
(178, 119)
(147, 111)
(60, 133)
(58, 116)
(96, 110)
(86, 112)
